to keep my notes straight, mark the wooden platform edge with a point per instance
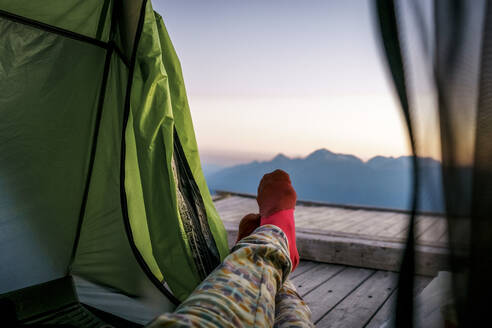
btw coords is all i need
(221, 194)
(371, 254)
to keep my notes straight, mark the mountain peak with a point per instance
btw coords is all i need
(320, 153)
(280, 157)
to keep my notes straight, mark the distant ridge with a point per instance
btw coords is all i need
(341, 179)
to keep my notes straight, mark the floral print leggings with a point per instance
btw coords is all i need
(249, 289)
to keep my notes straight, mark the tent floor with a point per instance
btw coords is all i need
(344, 296)
(372, 238)
(54, 303)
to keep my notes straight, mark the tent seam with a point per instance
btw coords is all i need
(92, 157)
(63, 32)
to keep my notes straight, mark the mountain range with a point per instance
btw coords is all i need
(325, 176)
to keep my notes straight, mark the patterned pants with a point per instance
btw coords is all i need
(249, 289)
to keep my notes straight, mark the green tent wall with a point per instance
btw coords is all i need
(100, 176)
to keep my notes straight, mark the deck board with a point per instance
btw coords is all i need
(313, 278)
(348, 296)
(436, 231)
(370, 238)
(366, 222)
(387, 310)
(384, 225)
(358, 307)
(333, 291)
(385, 220)
(302, 268)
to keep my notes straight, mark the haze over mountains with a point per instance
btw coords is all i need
(342, 179)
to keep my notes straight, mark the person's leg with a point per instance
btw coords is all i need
(290, 308)
(241, 291)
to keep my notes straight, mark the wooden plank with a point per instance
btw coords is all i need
(374, 221)
(239, 208)
(359, 218)
(444, 237)
(435, 232)
(313, 278)
(424, 223)
(373, 254)
(345, 220)
(394, 229)
(331, 292)
(308, 216)
(228, 201)
(302, 268)
(308, 211)
(386, 312)
(391, 219)
(354, 243)
(327, 213)
(369, 220)
(323, 216)
(400, 232)
(234, 202)
(334, 215)
(366, 253)
(236, 214)
(358, 307)
(232, 218)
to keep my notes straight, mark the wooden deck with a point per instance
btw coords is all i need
(356, 236)
(342, 296)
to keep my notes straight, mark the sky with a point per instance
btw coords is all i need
(284, 76)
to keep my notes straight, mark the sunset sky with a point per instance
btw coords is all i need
(284, 76)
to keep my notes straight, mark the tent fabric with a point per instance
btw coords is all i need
(89, 18)
(446, 50)
(100, 175)
(110, 301)
(389, 36)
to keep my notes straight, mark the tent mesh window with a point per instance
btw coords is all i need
(439, 55)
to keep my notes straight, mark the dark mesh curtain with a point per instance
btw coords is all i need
(439, 55)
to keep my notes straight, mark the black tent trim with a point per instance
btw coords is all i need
(124, 206)
(92, 156)
(53, 29)
(104, 12)
(102, 95)
(386, 16)
(65, 33)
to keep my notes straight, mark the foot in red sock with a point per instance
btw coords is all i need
(277, 200)
(247, 225)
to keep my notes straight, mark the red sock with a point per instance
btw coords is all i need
(285, 220)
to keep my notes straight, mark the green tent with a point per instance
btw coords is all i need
(100, 178)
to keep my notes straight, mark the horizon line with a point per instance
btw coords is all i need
(249, 157)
